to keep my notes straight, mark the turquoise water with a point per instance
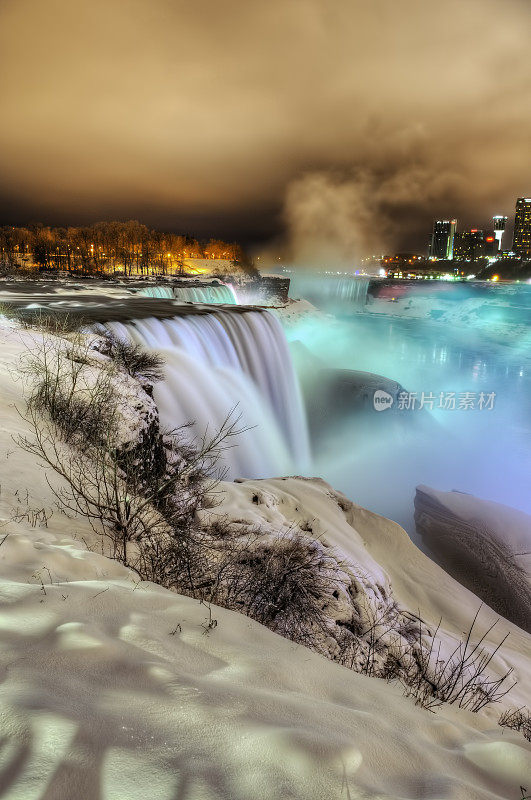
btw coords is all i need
(486, 453)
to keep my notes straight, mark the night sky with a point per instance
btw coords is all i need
(345, 125)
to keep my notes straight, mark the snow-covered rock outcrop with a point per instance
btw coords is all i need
(115, 689)
(486, 546)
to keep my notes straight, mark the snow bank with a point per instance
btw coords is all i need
(496, 311)
(386, 556)
(117, 690)
(295, 312)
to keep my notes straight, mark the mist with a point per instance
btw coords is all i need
(377, 459)
(335, 219)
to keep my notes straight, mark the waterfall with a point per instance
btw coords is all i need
(206, 294)
(212, 293)
(222, 361)
(331, 290)
(353, 290)
(162, 292)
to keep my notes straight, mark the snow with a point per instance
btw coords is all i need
(496, 315)
(210, 265)
(387, 556)
(295, 312)
(116, 690)
(509, 526)
(484, 545)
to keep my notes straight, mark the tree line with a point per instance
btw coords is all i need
(109, 247)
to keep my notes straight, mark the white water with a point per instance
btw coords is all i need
(162, 292)
(216, 362)
(332, 290)
(206, 294)
(221, 293)
(353, 290)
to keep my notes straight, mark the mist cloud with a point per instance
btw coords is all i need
(333, 219)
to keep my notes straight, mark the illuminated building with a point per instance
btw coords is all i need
(442, 239)
(411, 265)
(473, 245)
(402, 260)
(499, 228)
(522, 228)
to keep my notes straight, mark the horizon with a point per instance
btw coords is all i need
(270, 253)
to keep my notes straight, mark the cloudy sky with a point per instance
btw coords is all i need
(359, 119)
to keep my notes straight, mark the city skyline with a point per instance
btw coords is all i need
(446, 235)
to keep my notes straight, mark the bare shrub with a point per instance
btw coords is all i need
(10, 268)
(397, 646)
(461, 678)
(141, 500)
(66, 386)
(7, 310)
(93, 483)
(377, 635)
(517, 719)
(48, 321)
(142, 495)
(134, 359)
(281, 582)
(36, 517)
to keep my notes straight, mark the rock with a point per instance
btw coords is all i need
(350, 393)
(477, 542)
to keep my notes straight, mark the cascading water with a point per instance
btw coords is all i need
(353, 290)
(161, 292)
(222, 361)
(206, 294)
(331, 290)
(437, 337)
(215, 293)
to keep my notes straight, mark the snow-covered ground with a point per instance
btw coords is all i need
(505, 526)
(116, 690)
(495, 315)
(114, 289)
(297, 311)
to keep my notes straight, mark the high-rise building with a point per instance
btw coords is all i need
(442, 238)
(474, 245)
(522, 228)
(499, 228)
